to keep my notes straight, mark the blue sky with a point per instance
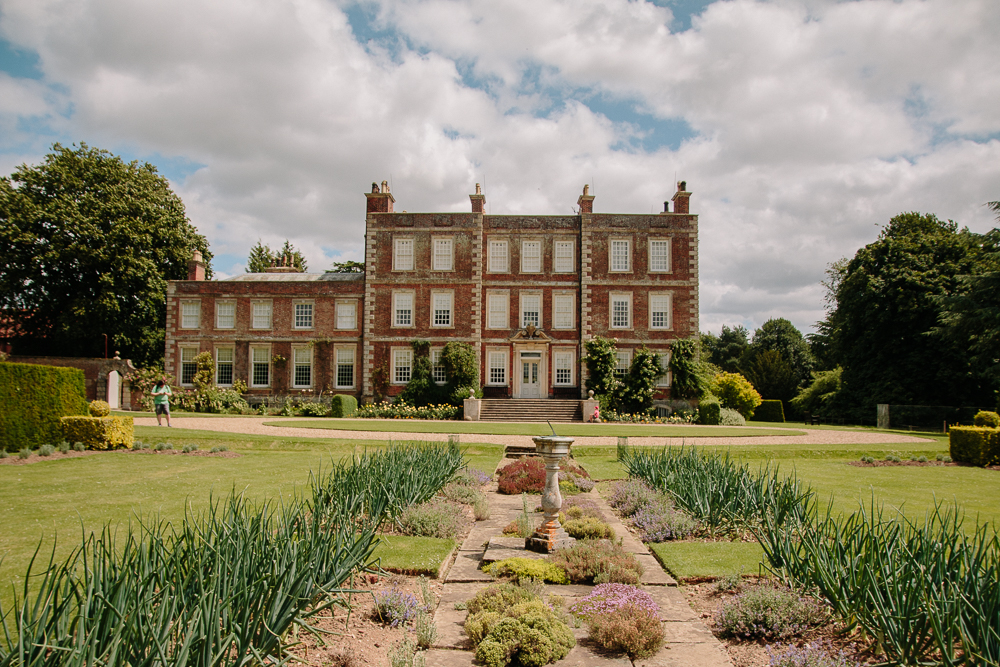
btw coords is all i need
(800, 126)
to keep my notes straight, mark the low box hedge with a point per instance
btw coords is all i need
(343, 405)
(770, 410)
(100, 433)
(978, 445)
(34, 397)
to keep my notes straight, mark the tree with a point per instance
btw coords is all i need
(421, 390)
(87, 243)
(772, 375)
(726, 349)
(815, 398)
(461, 367)
(601, 361)
(350, 266)
(736, 393)
(262, 258)
(686, 380)
(883, 305)
(779, 335)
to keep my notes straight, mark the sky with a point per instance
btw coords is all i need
(801, 127)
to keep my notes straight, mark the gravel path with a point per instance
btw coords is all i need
(256, 426)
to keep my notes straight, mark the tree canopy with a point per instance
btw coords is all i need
(262, 258)
(726, 349)
(349, 266)
(87, 243)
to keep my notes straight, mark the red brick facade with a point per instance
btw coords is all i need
(524, 291)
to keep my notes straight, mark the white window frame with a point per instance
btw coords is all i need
(295, 364)
(351, 304)
(261, 303)
(435, 294)
(627, 298)
(395, 307)
(401, 259)
(495, 262)
(181, 361)
(524, 255)
(665, 379)
(218, 314)
(497, 318)
(295, 314)
(668, 311)
(668, 259)
(231, 362)
(253, 362)
(565, 302)
(399, 355)
(564, 357)
(530, 295)
(497, 359)
(613, 256)
(337, 364)
(191, 319)
(563, 263)
(622, 357)
(438, 373)
(443, 253)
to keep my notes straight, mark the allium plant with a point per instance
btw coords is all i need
(396, 607)
(660, 522)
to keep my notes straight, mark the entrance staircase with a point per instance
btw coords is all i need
(531, 410)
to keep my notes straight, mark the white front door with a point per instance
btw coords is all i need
(530, 382)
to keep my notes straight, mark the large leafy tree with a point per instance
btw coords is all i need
(87, 243)
(778, 361)
(262, 258)
(885, 302)
(726, 349)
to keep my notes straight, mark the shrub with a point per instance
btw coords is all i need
(527, 632)
(598, 562)
(343, 405)
(99, 432)
(34, 398)
(768, 612)
(810, 655)
(481, 508)
(431, 519)
(63, 447)
(582, 484)
(498, 597)
(400, 410)
(460, 493)
(162, 447)
(977, 445)
(659, 522)
(46, 450)
(631, 495)
(622, 618)
(23, 453)
(709, 412)
(99, 409)
(395, 607)
(527, 475)
(187, 449)
(426, 629)
(473, 477)
(521, 569)
(986, 418)
(728, 417)
(220, 448)
(79, 447)
(312, 409)
(770, 410)
(589, 528)
(736, 393)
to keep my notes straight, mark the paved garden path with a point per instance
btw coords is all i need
(257, 426)
(689, 641)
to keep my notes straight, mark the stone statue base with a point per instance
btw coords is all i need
(548, 537)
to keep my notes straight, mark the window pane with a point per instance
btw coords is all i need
(498, 256)
(564, 312)
(659, 309)
(346, 316)
(664, 380)
(226, 315)
(442, 255)
(224, 372)
(659, 255)
(260, 373)
(403, 256)
(564, 257)
(261, 315)
(188, 367)
(303, 355)
(404, 309)
(564, 368)
(401, 363)
(620, 315)
(624, 359)
(437, 368)
(303, 316)
(531, 310)
(497, 318)
(531, 256)
(442, 310)
(345, 367)
(619, 256)
(261, 355)
(303, 375)
(190, 314)
(498, 368)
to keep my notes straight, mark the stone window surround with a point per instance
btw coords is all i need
(312, 317)
(394, 354)
(451, 250)
(181, 362)
(232, 348)
(181, 316)
(520, 299)
(504, 296)
(225, 302)
(558, 354)
(336, 366)
(628, 254)
(505, 352)
(618, 296)
(292, 364)
(267, 348)
(666, 379)
(396, 254)
(413, 298)
(270, 317)
(451, 308)
(541, 255)
(670, 253)
(555, 255)
(669, 310)
(505, 268)
(556, 297)
(336, 313)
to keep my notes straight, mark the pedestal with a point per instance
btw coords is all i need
(550, 535)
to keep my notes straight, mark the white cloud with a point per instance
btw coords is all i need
(816, 121)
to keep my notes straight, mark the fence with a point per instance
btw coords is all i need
(924, 417)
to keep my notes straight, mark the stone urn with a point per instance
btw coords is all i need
(550, 535)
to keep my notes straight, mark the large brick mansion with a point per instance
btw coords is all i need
(524, 291)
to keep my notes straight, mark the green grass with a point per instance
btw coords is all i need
(690, 560)
(529, 429)
(412, 555)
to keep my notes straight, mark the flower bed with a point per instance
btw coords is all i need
(527, 475)
(399, 410)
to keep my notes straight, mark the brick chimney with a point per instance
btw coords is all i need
(681, 198)
(585, 201)
(196, 267)
(379, 199)
(478, 200)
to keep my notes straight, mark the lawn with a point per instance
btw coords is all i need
(523, 428)
(695, 560)
(412, 555)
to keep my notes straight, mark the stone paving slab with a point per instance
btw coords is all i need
(450, 624)
(687, 655)
(584, 655)
(688, 632)
(654, 574)
(446, 658)
(508, 547)
(481, 533)
(673, 603)
(466, 568)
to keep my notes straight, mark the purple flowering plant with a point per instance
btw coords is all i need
(396, 607)
(631, 495)
(609, 598)
(810, 655)
(659, 522)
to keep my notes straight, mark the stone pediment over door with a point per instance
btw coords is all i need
(530, 334)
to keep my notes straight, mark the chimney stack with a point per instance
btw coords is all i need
(196, 267)
(478, 200)
(380, 200)
(585, 201)
(681, 198)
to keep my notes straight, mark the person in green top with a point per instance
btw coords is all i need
(161, 400)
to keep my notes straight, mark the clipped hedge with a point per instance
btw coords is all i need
(99, 433)
(977, 445)
(771, 410)
(34, 398)
(986, 418)
(709, 412)
(343, 405)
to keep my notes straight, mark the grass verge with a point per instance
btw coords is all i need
(412, 555)
(696, 560)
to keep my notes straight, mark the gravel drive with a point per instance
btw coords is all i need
(255, 426)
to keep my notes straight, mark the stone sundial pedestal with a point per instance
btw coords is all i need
(550, 535)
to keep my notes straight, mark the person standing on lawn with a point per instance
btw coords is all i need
(161, 401)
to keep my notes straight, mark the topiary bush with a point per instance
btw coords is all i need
(521, 569)
(976, 445)
(100, 433)
(598, 562)
(768, 612)
(99, 409)
(343, 405)
(986, 418)
(709, 412)
(34, 398)
(729, 417)
(770, 410)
